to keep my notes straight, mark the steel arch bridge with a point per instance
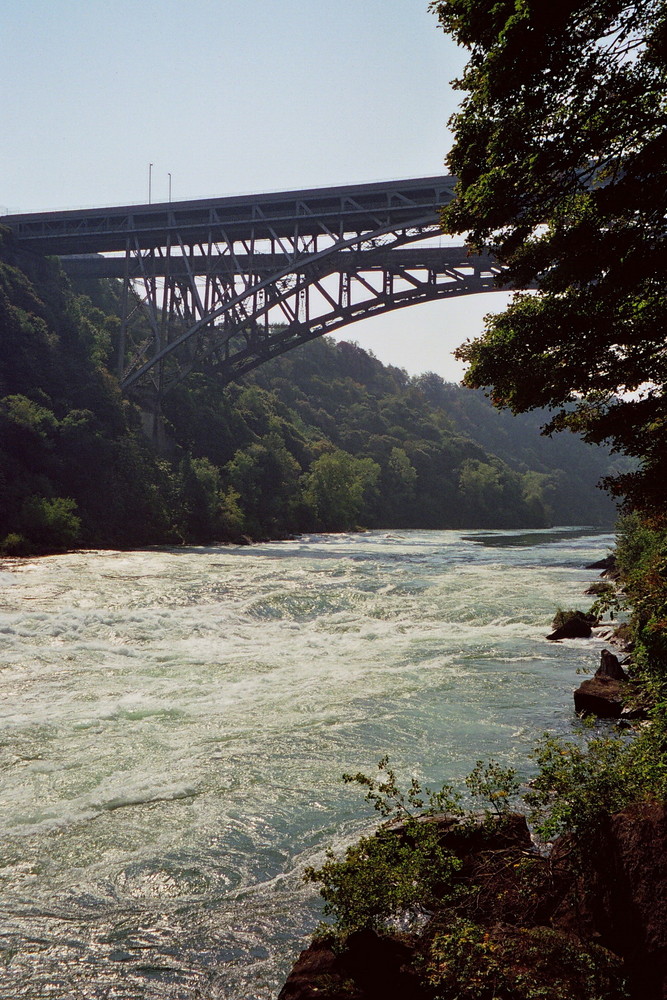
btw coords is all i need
(229, 283)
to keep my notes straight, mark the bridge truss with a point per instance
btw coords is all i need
(225, 285)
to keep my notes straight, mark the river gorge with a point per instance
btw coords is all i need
(175, 723)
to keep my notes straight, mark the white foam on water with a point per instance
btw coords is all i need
(175, 724)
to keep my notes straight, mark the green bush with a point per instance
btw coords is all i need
(641, 556)
(50, 524)
(609, 600)
(469, 962)
(578, 785)
(14, 545)
(495, 785)
(392, 874)
(390, 800)
(402, 870)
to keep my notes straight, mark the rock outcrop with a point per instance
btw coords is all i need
(369, 966)
(623, 894)
(604, 693)
(574, 628)
(608, 566)
(574, 625)
(600, 905)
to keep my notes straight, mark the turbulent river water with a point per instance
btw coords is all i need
(175, 724)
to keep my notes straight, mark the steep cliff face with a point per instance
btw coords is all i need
(589, 922)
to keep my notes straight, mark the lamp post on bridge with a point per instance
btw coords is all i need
(150, 179)
(169, 176)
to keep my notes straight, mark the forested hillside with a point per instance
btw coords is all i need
(495, 469)
(324, 438)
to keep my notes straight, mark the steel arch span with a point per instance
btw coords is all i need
(233, 282)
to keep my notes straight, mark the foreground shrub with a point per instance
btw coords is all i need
(579, 784)
(469, 962)
(402, 871)
(391, 875)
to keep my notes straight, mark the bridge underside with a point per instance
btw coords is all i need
(226, 284)
(229, 314)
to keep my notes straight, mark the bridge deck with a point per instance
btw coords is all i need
(353, 208)
(231, 282)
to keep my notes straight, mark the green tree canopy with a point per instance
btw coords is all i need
(336, 487)
(560, 151)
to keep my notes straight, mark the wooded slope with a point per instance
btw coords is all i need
(324, 438)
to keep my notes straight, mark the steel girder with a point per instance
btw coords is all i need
(230, 283)
(233, 312)
(349, 208)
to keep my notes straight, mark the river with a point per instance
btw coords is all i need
(175, 724)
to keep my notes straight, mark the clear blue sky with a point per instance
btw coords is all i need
(232, 97)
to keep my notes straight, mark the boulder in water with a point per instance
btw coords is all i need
(607, 565)
(610, 667)
(603, 694)
(576, 626)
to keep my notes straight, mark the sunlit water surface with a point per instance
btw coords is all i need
(175, 724)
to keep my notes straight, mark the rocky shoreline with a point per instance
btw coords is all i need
(611, 692)
(572, 922)
(583, 919)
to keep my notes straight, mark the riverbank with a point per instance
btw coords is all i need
(582, 921)
(571, 919)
